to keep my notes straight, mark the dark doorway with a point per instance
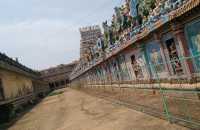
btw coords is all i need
(57, 84)
(67, 81)
(52, 86)
(173, 56)
(1, 90)
(62, 83)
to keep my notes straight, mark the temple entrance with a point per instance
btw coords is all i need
(173, 57)
(1, 91)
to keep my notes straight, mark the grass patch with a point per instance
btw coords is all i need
(56, 93)
(3, 126)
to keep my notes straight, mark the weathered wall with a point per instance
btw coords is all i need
(15, 85)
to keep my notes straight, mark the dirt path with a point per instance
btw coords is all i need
(74, 110)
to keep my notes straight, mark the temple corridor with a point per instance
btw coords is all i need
(70, 109)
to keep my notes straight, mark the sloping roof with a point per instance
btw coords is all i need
(12, 65)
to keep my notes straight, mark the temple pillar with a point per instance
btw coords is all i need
(157, 38)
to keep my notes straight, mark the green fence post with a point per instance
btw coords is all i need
(164, 100)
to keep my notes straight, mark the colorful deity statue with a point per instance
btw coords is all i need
(106, 29)
(122, 17)
(108, 34)
(126, 17)
(140, 9)
(89, 55)
(99, 49)
(115, 28)
(145, 6)
(118, 21)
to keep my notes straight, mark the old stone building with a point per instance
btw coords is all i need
(18, 85)
(58, 77)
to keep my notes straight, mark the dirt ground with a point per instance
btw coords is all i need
(184, 105)
(75, 110)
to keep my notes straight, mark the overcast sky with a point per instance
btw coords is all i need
(45, 33)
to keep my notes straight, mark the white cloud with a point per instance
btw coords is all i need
(40, 44)
(44, 33)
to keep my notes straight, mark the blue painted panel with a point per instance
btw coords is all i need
(154, 58)
(193, 37)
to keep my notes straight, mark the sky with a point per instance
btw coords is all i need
(45, 33)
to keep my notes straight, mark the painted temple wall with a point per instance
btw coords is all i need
(157, 55)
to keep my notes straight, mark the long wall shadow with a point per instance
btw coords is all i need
(19, 113)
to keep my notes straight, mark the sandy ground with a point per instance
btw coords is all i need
(74, 110)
